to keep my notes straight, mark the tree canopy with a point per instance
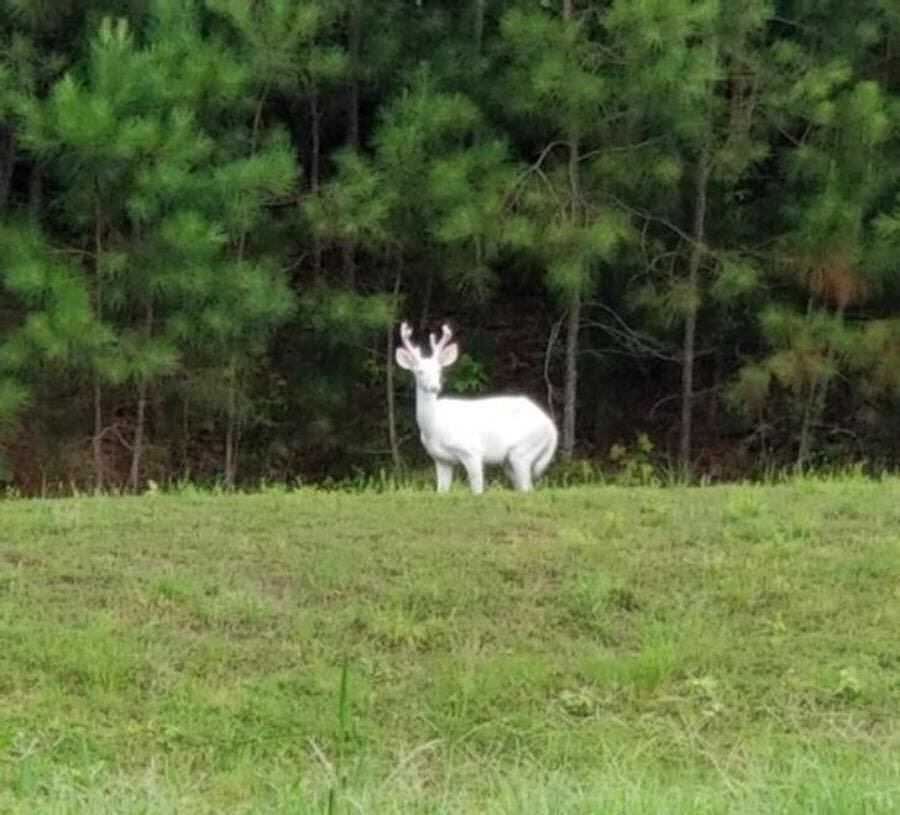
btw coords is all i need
(670, 219)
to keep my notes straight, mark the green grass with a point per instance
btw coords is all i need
(591, 650)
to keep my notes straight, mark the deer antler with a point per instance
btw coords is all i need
(406, 339)
(438, 345)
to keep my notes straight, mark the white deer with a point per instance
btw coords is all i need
(508, 430)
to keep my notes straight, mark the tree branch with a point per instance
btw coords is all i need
(551, 342)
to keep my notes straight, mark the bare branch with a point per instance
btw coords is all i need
(658, 219)
(637, 343)
(674, 397)
(535, 169)
(624, 148)
(551, 342)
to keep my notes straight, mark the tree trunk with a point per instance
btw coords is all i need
(685, 440)
(570, 388)
(316, 146)
(479, 24)
(354, 34)
(254, 137)
(805, 441)
(7, 166)
(573, 321)
(573, 324)
(97, 440)
(389, 377)
(229, 448)
(815, 403)
(715, 390)
(232, 439)
(690, 322)
(354, 23)
(314, 171)
(426, 296)
(36, 191)
(137, 447)
(185, 440)
(231, 430)
(236, 454)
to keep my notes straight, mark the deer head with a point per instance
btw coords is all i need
(427, 370)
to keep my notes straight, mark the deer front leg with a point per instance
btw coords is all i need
(475, 471)
(444, 473)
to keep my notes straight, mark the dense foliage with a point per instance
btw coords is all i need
(677, 218)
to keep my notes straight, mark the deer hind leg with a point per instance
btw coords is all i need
(519, 465)
(544, 456)
(444, 473)
(475, 471)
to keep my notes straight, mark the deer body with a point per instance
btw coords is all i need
(511, 431)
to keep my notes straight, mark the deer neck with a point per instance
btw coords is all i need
(426, 411)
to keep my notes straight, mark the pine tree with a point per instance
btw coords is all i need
(168, 208)
(213, 213)
(554, 79)
(426, 196)
(833, 252)
(692, 85)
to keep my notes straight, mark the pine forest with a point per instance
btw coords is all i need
(673, 223)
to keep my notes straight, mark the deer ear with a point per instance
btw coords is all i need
(448, 355)
(405, 359)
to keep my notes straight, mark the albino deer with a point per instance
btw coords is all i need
(508, 430)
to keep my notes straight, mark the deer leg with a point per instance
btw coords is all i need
(475, 471)
(521, 471)
(444, 475)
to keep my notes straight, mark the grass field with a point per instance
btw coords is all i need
(591, 650)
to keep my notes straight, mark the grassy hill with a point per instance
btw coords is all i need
(714, 650)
